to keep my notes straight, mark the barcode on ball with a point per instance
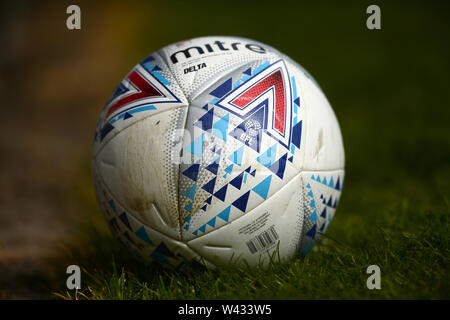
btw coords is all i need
(264, 240)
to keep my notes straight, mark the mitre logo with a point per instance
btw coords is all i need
(216, 46)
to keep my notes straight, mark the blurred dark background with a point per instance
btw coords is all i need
(389, 89)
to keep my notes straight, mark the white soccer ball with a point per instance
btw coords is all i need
(218, 150)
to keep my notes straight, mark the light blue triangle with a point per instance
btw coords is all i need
(188, 207)
(212, 222)
(196, 147)
(225, 214)
(236, 157)
(312, 177)
(308, 186)
(268, 157)
(313, 216)
(310, 194)
(312, 204)
(331, 184)
(202, 228)
(190, 193)
(228, 170)
(220, 127)
(318, 178)
(144, 236)
(324, 181)
(262, 188)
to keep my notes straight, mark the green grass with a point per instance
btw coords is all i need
(389, 89)
(412, 254)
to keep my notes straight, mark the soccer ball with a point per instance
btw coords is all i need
(218, 150)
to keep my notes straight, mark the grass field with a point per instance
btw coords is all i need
(390, 91)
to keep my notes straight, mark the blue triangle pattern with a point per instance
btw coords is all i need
(223, 89)
(313, 216)
(209, 187)
(105, 130)
(330, 202)
(205, 121)
(236, 157)
(213, 167)
(338, 184)
(221, 193)
(322, 227)
(267, 158)
(225, 214)
(312, 232)
(262, 188)
(188, 207)
(220, 128)
(163, 249)
(143, 235)
(127, 116)
(212, 222)
(192, 171)
(228, 170)
(279, 167)
(196, 147)
(237, 181)
(324, 212)
(297, 134)
(190, 193)
(241, 202)
(331, 183)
